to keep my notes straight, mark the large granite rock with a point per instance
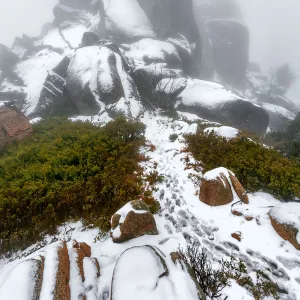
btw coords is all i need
(131, 221)
(230, 45)
(285, 219)
(93, 79)
(212, 101)
(219, 186)
(54, 99)
(173, 17)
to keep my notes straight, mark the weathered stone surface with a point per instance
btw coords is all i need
(217, 188)
(237, 235)
(132, 221)
(216, 192)
(14, 126)
(213, 102)
(62, 288)
(92, 76)
(287, 231)
(239, 189)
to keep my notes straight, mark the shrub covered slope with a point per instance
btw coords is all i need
(68, 170)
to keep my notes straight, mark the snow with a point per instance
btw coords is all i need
(90, 67)
(182, 216)
(16, 283)
(154, 50)
(208, 93)
(132, 282)
(35, 120)
(224, 131)
(74, 33)
(279, 111)
(127, 17)
(54, 39)
(288, 213)
(34, 71)
(192, 129)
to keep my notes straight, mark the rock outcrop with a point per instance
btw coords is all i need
(93, 79)
(212, 101)
(285, 219)
(14, 126)
(219, 186)
(158, 280)
(54, 99)
(131, 221)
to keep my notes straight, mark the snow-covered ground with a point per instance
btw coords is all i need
(182, 216)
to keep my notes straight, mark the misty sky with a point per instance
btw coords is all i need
(274, 26)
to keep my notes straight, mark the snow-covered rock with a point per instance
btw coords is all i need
(221, 187)
(34, 71)
(53, 99)
(285, 220)
(131, 221)
(127, 20)
(147, 51)
(93, 79)
(230, 43)
(146, 273)
(212, 101)
(173, 17)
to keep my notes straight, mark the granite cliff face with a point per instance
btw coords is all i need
(152, 53)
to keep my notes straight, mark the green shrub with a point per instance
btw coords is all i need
(67, 171)
(173, 137)
(256, 166)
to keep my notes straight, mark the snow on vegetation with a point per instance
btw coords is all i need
(224, 131)
(183, 216)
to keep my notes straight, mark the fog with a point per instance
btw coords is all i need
(23, 16)
(275, 35)
(274, 27)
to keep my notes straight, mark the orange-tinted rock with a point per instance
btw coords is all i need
(249, 218)
(216, 192)
(134, 224)
(237, 235)
(14, 126)
(236, 213)
(62, 287)
(240, 191)
(286, 231)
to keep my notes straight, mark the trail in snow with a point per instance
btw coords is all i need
(182, 217)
